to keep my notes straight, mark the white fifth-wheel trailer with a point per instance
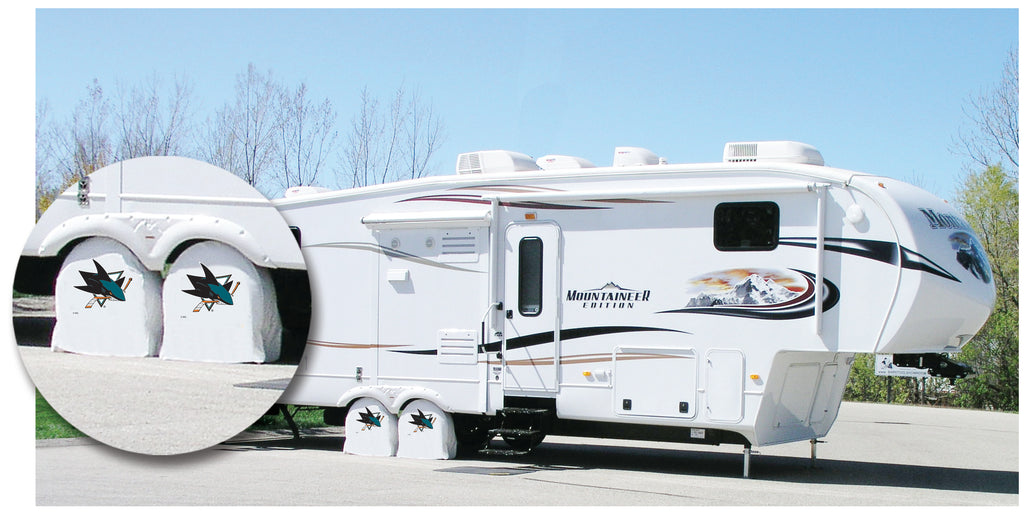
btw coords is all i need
(710, 303)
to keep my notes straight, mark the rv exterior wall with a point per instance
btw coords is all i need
(943, 262)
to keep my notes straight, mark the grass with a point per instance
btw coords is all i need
(306, 417)
(49, 424)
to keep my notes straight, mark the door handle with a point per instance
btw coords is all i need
(508, 314)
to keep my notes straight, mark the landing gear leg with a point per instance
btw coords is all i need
(746, 461)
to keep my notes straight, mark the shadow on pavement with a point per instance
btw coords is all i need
(321, 439)
(557, 456)
(769, 467)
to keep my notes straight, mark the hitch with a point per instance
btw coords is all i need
(937, 364)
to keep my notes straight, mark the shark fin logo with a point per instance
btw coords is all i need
(423, 421)
(212, 289)
(369, 419)
(102, 286)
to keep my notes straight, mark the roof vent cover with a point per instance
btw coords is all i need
(555, 162)
(634, 156)
(783, 151)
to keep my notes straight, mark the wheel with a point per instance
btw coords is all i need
(523, 442)
(471, 433)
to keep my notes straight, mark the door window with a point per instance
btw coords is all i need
(531, 276)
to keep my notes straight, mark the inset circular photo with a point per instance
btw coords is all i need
(161, 305)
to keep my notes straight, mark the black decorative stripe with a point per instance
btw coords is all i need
(549, 337)
(477, 199)
(875, 250)
(930, 267)
(882, 251)
(431, 352)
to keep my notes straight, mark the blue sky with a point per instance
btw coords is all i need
(878, 91)
(875, 90)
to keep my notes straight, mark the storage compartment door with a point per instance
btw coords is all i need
(724, 390)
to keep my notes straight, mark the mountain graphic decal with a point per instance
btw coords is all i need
(755, 290)
(757, 293)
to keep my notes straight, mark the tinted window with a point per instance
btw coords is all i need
(531, 275)
(747, 226)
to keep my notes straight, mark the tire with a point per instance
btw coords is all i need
(523, 442)
(471, 433)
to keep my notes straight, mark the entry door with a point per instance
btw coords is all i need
(530, 348)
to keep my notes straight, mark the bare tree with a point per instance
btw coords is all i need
(399, 144)
(993, 133)
(307, 137)
(424, 133)
(217, 143)
(359, 155)
(150, 126)
(46, 174)
(82, 144)
(242, 137)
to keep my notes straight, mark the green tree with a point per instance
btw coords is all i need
(989, 200)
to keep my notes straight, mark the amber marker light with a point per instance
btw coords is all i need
(531, 215)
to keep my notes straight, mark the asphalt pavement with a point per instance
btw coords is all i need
(875, 455)
(154, 406)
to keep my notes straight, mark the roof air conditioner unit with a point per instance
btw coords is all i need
(495, 161)
(772, 151)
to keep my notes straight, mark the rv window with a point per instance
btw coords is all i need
(747, 226)
(531, 275)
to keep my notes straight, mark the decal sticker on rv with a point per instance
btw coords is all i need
(882, 251)
(756, 293)
(480, 200)
(609, 296)
(423, 421)
(369, 419)
(211, 290)
(549, 337)
(102, 286)
(971, 256)
(944, 220)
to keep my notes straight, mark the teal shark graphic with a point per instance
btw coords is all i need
(102, 286)
(423, 421)
(210, 290)
(369, 419)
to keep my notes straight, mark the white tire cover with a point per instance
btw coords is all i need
(106, 302)
(425, 432)
(219, 307)
(370, 429)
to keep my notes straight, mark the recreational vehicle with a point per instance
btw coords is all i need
(710, 303)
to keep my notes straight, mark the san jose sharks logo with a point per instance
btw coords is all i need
(102, 286)
(212, 289)
(423, 421)
(369, 419)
